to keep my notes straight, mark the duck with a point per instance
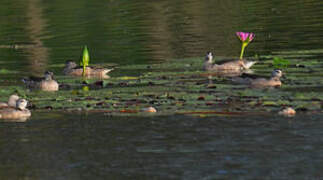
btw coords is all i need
(18, 112)
(46, 83)
(72, 69)
(231, 65)
(11, 102)
(254, 81)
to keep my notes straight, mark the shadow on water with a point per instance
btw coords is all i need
(61, 146)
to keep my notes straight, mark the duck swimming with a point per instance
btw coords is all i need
(72, 69)
(233, 65)
(253, 81)
(11, 102)
(46, 83)
(17, 112)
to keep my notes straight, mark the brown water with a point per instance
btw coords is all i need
(36, 35)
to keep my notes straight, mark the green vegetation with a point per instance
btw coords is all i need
(280, 63)
(180, 86)
(85, 59)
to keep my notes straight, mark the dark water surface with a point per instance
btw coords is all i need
(139, 31)
(36, 35)
(96, 146)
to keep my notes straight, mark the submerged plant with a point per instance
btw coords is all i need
(245, 38)
(85, 59)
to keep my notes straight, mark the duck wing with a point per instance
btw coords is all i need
(246, 78)
(252, 76)
(35, 78)
(32, 79)
(225, 61)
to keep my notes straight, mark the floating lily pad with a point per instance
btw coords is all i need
(6, 71)
(179, 87)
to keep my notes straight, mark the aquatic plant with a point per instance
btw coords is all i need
(280, 63)
(85, 59)
(174, 88)
(245, 38)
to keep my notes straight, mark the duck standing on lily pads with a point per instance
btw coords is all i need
(231, 65)
(46, 83)
(18, 112)
(72, 69)
(260, 82)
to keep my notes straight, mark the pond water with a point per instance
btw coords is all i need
(128, 32)
(49, 146)
(37, 35)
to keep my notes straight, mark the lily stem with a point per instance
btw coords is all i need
(84, 68)
(244, 45)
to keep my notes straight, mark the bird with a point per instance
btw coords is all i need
(11, 102)
(72, 69)
(46, 83)
(18, 112)
(231, 65)
(256, 81)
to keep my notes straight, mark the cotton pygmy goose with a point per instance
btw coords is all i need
(72, 69)
(17, 112)
(254, 81)
(46, 83)
(234, 65)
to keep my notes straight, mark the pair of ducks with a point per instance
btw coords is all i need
(14, 109)
(47, 83)
(237, 67)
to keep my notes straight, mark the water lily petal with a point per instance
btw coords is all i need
(245, 36)
(239, 35)
(251, 36)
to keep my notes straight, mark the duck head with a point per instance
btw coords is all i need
(49, 75)
(70, 64)
(277, 74)
(21, 104)
(209, 57)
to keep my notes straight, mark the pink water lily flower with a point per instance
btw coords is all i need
(246, 38)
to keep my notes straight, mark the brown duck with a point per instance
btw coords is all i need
(17, 112)
(231, 65)
(254, 81)
(46, 83)
(72, 69)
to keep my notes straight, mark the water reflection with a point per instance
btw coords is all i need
(38, 54)
(127, 32)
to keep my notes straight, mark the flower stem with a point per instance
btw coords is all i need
(244, 44)
(84, 68)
